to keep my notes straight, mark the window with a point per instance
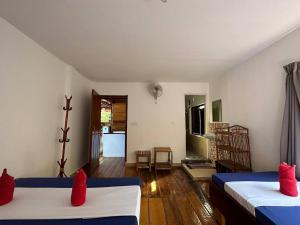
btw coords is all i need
(198, 119)
(105, 115)
(217, 110)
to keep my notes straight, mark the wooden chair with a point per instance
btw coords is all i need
(143, 164)
(163, 165)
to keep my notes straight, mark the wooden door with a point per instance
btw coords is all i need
(95, 131)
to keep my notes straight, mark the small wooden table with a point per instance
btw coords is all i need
(163, 165)
(143, 164)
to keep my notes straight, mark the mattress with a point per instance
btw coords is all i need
(258, 194)
(253, 194)
(67, 183)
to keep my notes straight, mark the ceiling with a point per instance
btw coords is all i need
(148, 40)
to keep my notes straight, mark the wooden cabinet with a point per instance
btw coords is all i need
(118, 117)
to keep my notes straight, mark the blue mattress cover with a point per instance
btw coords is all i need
(278, 215)
(67, 183)
(121, 220)
(265, 215)
(221, 178)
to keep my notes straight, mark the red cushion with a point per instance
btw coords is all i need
(287, 180)
(7, 187)
(79, 189)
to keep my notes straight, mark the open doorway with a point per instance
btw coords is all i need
(108, 133)
(195, 118)
(197, 164)
(113, 126)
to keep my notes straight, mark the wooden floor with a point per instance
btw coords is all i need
(110, 167)
(168, 198)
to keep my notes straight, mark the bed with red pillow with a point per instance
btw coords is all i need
(253, 199)
(66, 183)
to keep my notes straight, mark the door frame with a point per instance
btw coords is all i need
(123, 98)
(91, 165)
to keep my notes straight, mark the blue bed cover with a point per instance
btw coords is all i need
(67, 183)
(265, 215)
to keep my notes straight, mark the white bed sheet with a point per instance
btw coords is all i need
(252, 194)
(55, 203)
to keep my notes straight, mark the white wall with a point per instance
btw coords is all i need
(32, 88)
(77, 149)
(33, 83)
(253, 95)
(150, 124)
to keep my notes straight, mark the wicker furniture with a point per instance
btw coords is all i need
(143, 164)
(212, 150)
(233, 149)
(163, 165)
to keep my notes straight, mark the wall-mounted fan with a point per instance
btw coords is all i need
(156, 90)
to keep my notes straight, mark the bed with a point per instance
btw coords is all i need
(253, 199)
(109, 185)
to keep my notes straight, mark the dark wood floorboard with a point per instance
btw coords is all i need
(168, 198)
(110, 167)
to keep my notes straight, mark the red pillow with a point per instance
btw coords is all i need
(287, 179)
(79, 189)
(7, 187)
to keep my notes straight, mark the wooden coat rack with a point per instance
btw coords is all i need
(65, 138)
